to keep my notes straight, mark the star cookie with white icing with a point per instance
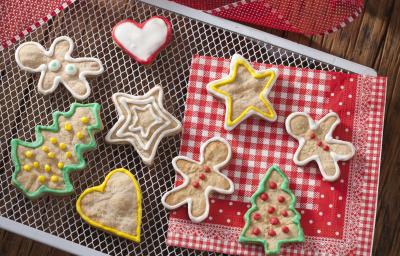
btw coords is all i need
(143, 122)
(245, 92)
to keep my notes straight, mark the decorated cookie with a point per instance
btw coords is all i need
(143, 122)
(56, 65)
(272, 219)
(143, 41)
(200, 179)
(43, 166)
(245, 92)
(114, 206)
(317, 144)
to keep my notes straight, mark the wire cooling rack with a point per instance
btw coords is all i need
(54, 220)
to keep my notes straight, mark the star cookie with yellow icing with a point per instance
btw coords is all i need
(43, 166)
(143, 122)
(245, 92)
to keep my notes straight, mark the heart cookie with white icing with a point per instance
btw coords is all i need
(143, 41)
(114, 206)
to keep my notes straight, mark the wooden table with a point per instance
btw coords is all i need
(372, 40)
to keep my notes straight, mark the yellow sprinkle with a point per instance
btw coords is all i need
(36, 164)
(60, 165)
(28, 154)
(45, 149)
(54, 178)
(84, 120)
(53, 140)
(41, 179)
(47, 168)
(68, 127)
(27, 167)
(80, 135)
(68, 154)
(51, 155)
(62, 146)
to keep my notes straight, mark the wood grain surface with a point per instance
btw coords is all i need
(373, 40)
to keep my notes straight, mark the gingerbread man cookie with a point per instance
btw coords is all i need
(57, 66)
(245, 92)
(317, 144)
(43, 166)
(200, 179)
(143, 122)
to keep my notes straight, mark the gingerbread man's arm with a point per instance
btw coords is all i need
(327, 124)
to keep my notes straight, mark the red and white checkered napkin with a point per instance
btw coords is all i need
(337, 218)
(20, 17)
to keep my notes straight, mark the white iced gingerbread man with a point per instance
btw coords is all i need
(317, 144)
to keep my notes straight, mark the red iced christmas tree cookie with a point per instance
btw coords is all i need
(272, 220)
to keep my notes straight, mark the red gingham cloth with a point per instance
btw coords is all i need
(18, 18)
(308, 17)
(337, 218)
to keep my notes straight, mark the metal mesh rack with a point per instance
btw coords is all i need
(89, 24)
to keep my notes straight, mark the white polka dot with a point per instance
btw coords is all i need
(348, 113)
(322, 195)
(220, 211)
(340, 103)
(328, 223)
(320, 213)
(330, 110)
(339, 215)
(230, 203)
(337, 137)
(174, 213)
(212, 201)
(330, 205)
(337, 233)
(332, 188)
(351, 79)
(210, 218)
(311, 221)
(340, 198)
(341, 180)
(302, 211)
(342, 87)
(332, 94)
(248, 206)
(228, 220)
(238, 213)
(333, 77)
(350, 96)
(318, 231)
(346, 129)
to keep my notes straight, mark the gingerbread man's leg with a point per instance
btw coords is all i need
(198, 199)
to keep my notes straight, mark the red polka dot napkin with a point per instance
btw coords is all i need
(309, 17)
(18, 18)
(337, 218)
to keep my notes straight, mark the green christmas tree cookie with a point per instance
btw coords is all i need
(43, 166)
(272, 220)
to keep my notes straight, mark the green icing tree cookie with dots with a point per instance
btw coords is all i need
(43, 166)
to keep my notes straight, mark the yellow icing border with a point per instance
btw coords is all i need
(101, 188)
(231, 78)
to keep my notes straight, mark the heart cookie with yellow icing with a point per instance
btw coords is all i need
(114, 206)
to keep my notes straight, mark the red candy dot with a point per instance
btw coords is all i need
(264, 196)
(281, 199)
(319, 143)
(271, 209)
(271, 232)
(284, 213)
(285, 229)
(312, 135)
(325, 147)
(206, 168)
(256, 231)
(257, 216)
(272, 185)
(202, 176)
(274, 221)
(196, 184)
